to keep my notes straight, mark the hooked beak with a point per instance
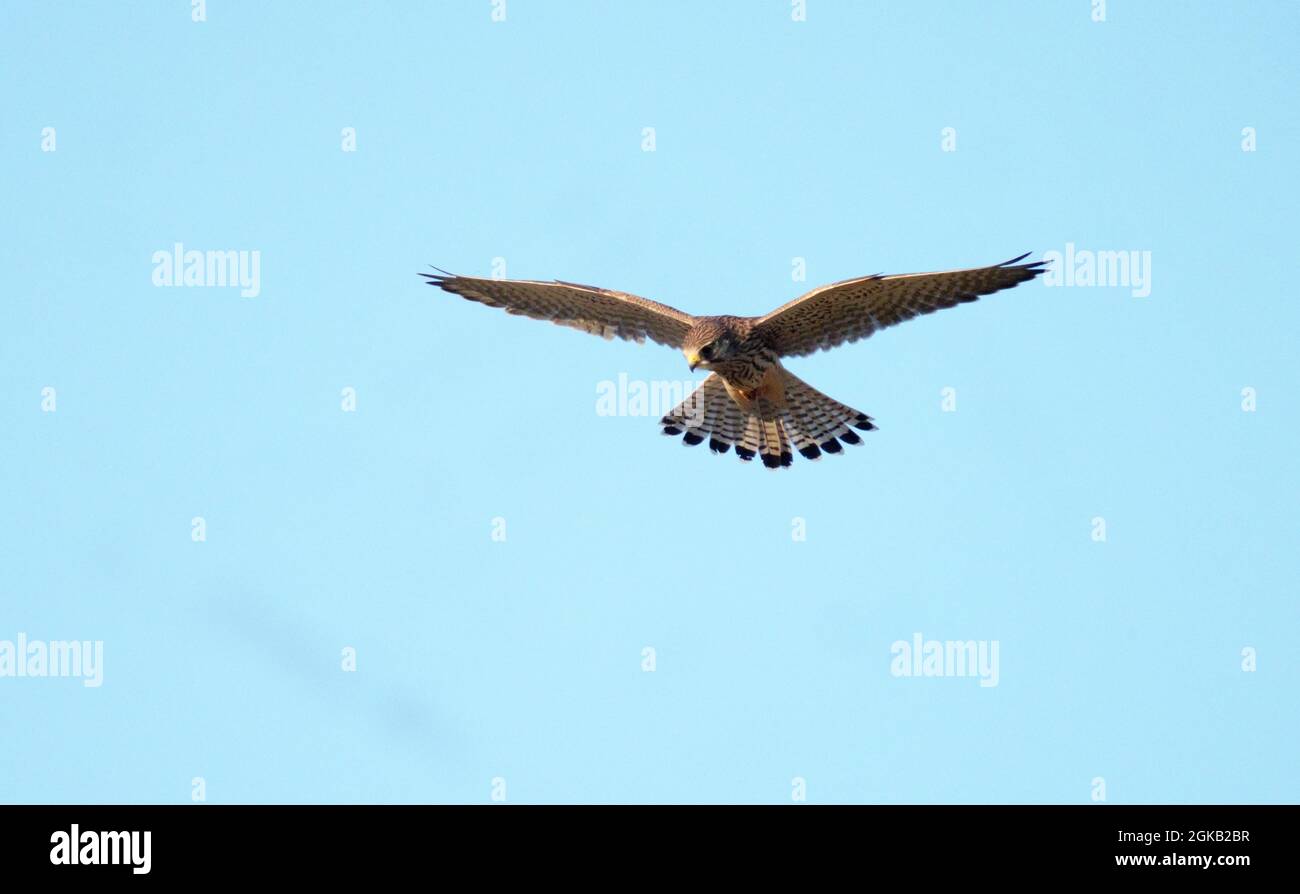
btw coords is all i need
(692, 359)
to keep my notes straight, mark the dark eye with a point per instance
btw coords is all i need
(706, 352)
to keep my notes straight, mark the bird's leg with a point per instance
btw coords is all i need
(744, 397)
(770, 387)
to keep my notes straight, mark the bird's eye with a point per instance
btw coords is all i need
(706, 352)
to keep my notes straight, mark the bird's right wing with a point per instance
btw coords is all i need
(598, 311)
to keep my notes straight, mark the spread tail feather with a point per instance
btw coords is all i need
(708, 413)
(814, 423)
(819, 423)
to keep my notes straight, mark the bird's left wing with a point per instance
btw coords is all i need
(598, 311)
(853, 309)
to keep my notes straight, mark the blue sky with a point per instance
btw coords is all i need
(515, 668)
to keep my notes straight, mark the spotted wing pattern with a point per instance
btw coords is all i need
(599, 311)
(854, 309)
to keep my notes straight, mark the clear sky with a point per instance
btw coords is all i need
(1158, 664)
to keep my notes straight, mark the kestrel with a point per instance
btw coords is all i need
(750, 401)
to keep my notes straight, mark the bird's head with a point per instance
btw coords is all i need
(707, 343)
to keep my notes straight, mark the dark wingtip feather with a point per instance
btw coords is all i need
(1034, 267)
(830, 445)
(439, 278)
(672, 430)
(771, 460)
(745, 453)
(718, 446)
(692, 439)
(850, 437)
(812, 451)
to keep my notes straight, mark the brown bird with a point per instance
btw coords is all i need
(751, 401)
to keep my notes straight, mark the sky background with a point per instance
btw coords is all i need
(522, 660)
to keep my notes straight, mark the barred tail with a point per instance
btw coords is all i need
(818, 423)
(765, 435)
(708, 412)
(813, 421)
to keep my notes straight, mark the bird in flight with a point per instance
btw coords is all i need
(750, 401)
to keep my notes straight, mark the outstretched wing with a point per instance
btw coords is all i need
(598, 311)
(853, 309)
